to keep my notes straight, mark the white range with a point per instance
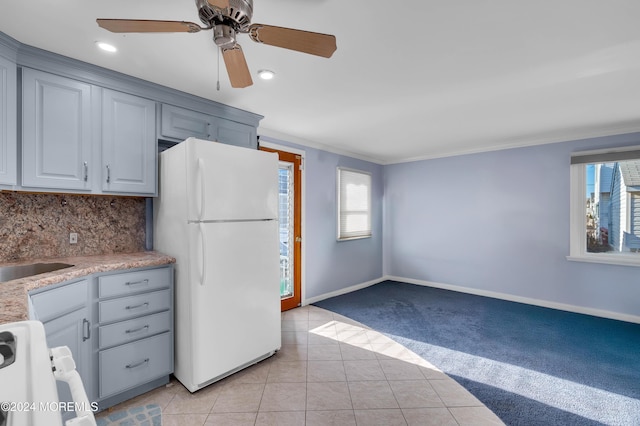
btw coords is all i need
(28, 374)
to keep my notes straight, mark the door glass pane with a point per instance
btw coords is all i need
(286, 229)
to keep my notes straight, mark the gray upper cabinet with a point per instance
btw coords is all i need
(8, 123)
(179, 123)
(59, 149)
(72, 127)
(56, 132)
(128, 144)
(234, 133)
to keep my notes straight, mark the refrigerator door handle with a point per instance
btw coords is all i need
(203, 246)
(202, 196)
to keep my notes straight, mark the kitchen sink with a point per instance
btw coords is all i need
(8, 273)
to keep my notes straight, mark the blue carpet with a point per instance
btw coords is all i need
(529, 365)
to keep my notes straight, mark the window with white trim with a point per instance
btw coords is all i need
(605, 206)
(354, 204)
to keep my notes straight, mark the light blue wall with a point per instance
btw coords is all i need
(491, 222)
(499, 222)
(332, 265)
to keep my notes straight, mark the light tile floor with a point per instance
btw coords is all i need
(330, 371)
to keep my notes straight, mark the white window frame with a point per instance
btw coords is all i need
(339, 210)
(578, 220)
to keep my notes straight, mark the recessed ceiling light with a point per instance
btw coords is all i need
(266, 74)
(106, 46)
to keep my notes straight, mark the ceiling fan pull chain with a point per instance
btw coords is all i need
(218, 83)
(227, 18)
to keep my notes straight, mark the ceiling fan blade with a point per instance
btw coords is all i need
(303, 41)
(220, 4)
(237, 68)
(147, 26)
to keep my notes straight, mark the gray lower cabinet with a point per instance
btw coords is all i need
(135, 332)
(8, 123)
(119, 327)
(66, 315)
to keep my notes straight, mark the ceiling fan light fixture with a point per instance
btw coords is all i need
(224, 36)
(266, 74)
(106, 46)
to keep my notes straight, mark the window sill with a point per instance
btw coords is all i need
(353, 238)
(616, 259)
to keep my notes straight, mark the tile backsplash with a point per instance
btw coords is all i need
(38, 225)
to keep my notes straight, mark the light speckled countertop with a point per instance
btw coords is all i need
(13, 294)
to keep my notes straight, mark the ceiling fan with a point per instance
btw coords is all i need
(227, 18)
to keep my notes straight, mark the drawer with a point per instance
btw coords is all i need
(136, 363)
(133, 306)
(58, 301)
(134, 329)
(133, 282)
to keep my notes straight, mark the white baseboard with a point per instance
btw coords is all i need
(343, 291)
(529, 301)
(478, 292)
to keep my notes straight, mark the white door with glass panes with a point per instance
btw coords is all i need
(289, 214)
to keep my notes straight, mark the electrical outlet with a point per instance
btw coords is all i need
(73, 238)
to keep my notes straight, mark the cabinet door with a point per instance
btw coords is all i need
(180, 123)
(66, 316)
(8, 123)
(56, 131)
(234, 133)
(73, 330)
(129, 144)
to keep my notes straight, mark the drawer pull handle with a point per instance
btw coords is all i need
(135, 330)
(142, 305)
(143, 282)
(86, 330)
(138, 364)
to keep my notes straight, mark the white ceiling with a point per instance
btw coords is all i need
(410, 79)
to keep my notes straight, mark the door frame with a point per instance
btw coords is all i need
(262, 143)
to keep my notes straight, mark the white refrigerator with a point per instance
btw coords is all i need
(217, 214)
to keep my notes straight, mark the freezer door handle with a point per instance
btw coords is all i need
(203, 247)
(202, 196)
